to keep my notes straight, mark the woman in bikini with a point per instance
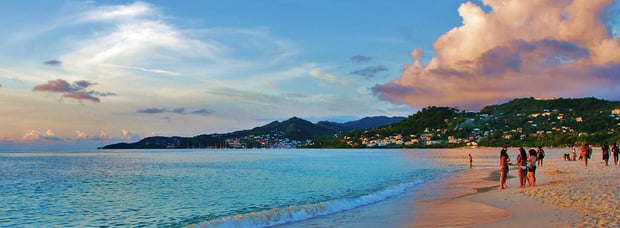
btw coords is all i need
(522, 163)
(503, 164)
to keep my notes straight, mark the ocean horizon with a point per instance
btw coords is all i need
(207, 188)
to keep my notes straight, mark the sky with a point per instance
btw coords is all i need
(87, 73)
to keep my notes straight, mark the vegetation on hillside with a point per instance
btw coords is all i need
(521, 122)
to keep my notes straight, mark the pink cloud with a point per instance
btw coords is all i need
(520, 48)
(77, 90)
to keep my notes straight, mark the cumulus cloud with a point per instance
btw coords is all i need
(53, 62)
(102, 134)
(37, 136)
(81, 135)
(76, 90)
(180, 111)
(31, 135)
(126, 134)
(518, 48)
(370, 71)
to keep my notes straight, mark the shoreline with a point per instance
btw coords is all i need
(567, 194)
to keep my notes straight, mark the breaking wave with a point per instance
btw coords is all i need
(298, 213)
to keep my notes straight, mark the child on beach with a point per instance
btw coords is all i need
(531, 168)
(522, 163)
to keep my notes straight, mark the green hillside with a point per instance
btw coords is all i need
(520, 122)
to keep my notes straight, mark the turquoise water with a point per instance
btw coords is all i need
(177, 188)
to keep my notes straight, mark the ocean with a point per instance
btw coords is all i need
(207, 188)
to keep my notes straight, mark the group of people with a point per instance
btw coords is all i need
(585, 153)
(606, 150)
(527, 163)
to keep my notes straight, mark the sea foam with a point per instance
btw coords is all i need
(277, 216)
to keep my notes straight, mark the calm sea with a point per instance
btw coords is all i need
(227, 188)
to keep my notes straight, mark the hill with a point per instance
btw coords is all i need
(520, 122)
(290, 133)
(362, 124)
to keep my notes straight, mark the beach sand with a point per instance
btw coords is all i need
(567, 194)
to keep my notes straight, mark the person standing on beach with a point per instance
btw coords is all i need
(522, 163)
(615, 150)
(503, 164)
(471, 161)
(541, 156)
(583, 152)
(574, 153)
(531, 168)
(605, 153)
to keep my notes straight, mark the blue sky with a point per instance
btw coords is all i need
(96, 72)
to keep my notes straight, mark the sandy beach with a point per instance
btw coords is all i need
(567, 194)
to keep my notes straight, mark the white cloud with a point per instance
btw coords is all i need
(49, 133)
(118, 12)
(80, 135)
(31, 135)
(317, 73)
(102, 134)
(126, 134)
(37, 136)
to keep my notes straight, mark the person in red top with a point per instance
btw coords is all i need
(584, 152)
